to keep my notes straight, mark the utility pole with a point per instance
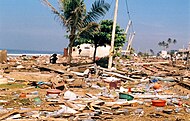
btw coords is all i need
(131, 37)
(111, 52)
(126, 31)
(128, 26)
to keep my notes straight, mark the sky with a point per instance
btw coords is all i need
(30, 25)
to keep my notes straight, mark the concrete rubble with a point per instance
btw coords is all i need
(139, 89)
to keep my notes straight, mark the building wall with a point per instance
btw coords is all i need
(103, 51)
(164, 54)
(88, 51)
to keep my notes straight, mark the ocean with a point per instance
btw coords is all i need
(14, 52)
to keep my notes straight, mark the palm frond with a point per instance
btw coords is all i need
(90, 28)
(47, 3)
(74, 12)
(99, 8)
(160, 43)
(78, 15)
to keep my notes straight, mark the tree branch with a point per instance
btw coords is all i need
(47, 3)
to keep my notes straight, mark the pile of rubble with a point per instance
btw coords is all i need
(33, 89)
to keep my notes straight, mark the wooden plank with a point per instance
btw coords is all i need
(4, 116)
(154, 96)
(31, 76)
(105, 69)
(121, 76)
(8, 114)
(150, 63)
(51, 68)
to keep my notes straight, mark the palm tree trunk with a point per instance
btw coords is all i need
(95, 49)
(70, 52)
(71, 40)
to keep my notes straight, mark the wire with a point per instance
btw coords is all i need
(129, 14)
(127, 9)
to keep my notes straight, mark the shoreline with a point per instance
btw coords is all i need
(15, 52)
(30, 54)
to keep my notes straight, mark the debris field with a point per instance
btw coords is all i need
(140, 89)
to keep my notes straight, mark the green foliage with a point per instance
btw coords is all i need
(143, 54)
(103, 36)
(98, 9)
(117, 54)
(72, 14)
(140, 54)
(166, 44)
(106, 33)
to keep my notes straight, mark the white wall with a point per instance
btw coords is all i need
(88, 51)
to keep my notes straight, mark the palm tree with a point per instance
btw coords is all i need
(160, 44)
(72, 14)
(152, 51)
(169, 40)
(174, 41)
(166, 45)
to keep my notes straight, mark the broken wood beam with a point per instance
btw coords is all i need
(105, 69)
(120, 76)
(51, 69)
(150, 63)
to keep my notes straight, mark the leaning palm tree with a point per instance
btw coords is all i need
(160, 44)
(73, 15)
(152, 51)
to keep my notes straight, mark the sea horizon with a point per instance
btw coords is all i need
(30, 52)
